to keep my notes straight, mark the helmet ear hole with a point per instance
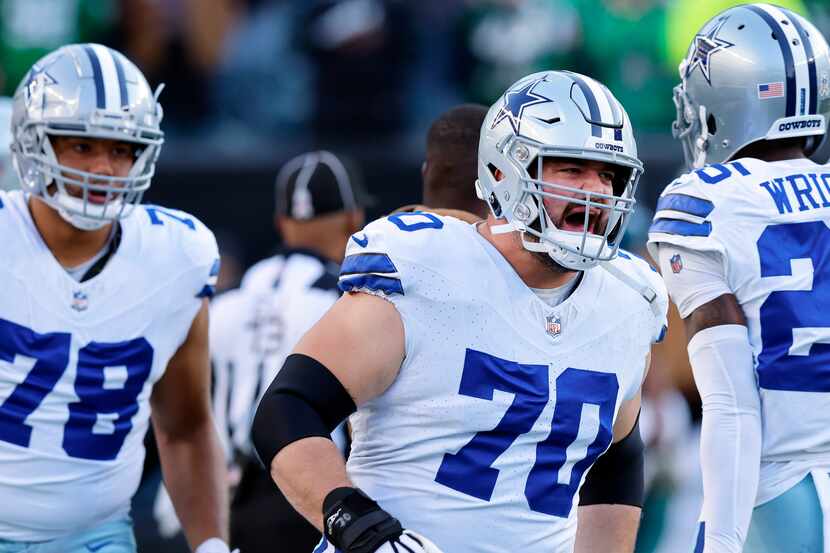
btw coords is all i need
(711, 125)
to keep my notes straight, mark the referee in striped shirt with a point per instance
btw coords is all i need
(319, 204)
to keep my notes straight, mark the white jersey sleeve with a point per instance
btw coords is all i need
(196, 243)
(694, 277)
(372, 259)
(683, 217)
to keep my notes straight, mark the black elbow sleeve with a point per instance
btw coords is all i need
(618, 476)
(303, 401)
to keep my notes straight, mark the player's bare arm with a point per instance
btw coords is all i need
(361, 341)
(723, 310)
(191, 457)
(611, 527)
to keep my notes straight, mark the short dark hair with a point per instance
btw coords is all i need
(452, 159)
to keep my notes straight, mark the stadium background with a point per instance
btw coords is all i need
(251, 83)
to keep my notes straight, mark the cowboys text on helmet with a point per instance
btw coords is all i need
(558, 114)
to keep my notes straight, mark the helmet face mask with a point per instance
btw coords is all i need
(93, 92)
(560, 128)
(753, 72)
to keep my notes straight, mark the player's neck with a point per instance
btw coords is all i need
(534, 272)
(774, 150)
(69, 245)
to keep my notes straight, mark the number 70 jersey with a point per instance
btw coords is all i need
(502, 402)
(78, 362)
(768, 223)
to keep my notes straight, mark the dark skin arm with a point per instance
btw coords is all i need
(191, 458)
(723, 310)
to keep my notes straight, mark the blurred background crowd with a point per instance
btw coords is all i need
(252, 83)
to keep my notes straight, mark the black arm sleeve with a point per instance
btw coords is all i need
(618, 475)
(304, 400)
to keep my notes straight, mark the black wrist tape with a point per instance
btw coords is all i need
(354, 523)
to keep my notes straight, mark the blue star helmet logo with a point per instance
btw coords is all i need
(516, 101)
(36, 83)
(705, 46)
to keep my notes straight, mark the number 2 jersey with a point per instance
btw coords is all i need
(768, 224)
(502, 402)
(78, 362)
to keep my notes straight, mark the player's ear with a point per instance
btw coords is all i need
(355, 220)
(280, 224)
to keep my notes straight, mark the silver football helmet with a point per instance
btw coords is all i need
(753, 72)
(91, 91)
(8, 180)
(563, 115)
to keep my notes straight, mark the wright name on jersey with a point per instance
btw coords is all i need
(502, 402)
(767, 224)
(78, 361)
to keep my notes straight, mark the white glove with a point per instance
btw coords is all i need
(165, 514)
(214, 545)
(408, 542)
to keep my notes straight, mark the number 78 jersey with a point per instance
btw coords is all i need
(502, 402)
(768, 222)
(78, 362)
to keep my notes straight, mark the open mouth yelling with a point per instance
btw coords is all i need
(97, 198)
(574, 220)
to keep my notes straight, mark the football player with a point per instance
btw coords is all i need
(744, 246)
(490, 365)
(103, 318)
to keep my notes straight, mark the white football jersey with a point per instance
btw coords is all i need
(255, 327)
(502, 402)
(768, 223)
(78, 361)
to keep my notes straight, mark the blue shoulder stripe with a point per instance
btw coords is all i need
(207, 292)
(367, 263)
(214, 269)
(686, 204)
(387, 285)
(701, 532)
(662, 335)
(683, 228)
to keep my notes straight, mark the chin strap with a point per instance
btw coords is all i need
(503, 228)
(701, 142)
(645, 291)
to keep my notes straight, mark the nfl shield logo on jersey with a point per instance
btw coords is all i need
(676, 263)
(80, 301)
(553, 326)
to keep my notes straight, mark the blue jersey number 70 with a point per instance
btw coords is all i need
(470, 470)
